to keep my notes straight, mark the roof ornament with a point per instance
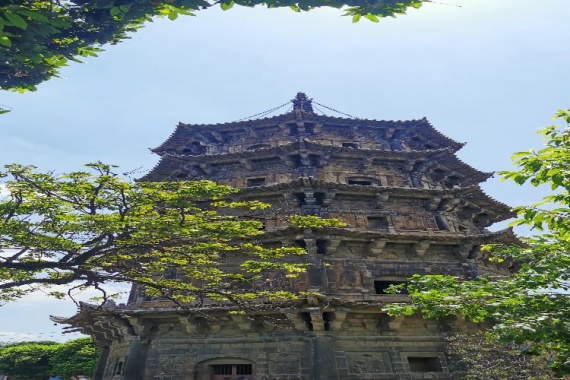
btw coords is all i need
(302, 103)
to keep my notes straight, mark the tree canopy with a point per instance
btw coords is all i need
(470, 356)
(27, 360)
(84, 229)
(38, 37)
(38, 360)
(532, 307)
(77, 356)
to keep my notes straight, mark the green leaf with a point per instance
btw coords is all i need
(115, 11)
(33, 14)
(356, 18)
(5, 41)
(227, 5)
(520, 179)
(518, 155)
(371, 17)
(16, 20)
(173, 15)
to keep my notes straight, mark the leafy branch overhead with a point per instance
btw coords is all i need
(38, 37)
(531, 308)
(179, 240)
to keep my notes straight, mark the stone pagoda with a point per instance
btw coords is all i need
(409, 204)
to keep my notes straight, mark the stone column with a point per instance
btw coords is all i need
(101, 363)
(322, 357)
(136, 361)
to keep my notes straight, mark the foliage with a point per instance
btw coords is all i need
(27, 360)
(311, 221)
(473, 357)
(174, 238)
(37, 360)
(74, 357)
(38, 37)
(531, 308)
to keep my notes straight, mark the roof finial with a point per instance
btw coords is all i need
(302, 103)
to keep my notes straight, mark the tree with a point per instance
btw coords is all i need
(37, 360)
(74, 357)
(38, 37)
(85, 229)
(473, 357)
(27, 360)
(531, 308)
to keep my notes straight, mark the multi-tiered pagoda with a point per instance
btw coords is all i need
(409, 204)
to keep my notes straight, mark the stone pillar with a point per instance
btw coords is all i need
(322, 358)
(136, 361)
(101, 363)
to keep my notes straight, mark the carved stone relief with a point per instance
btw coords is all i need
(363, 362)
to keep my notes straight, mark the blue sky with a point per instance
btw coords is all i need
(487, 72)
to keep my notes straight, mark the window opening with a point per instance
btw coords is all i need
(293, 130)
(424, 364)
(301, 198)
(319, 199)
(378, 222)
(359, 182)
(327, 318)
(222, 369)
(301, 243)
(451, 182)
(306, 317)
(297, 160)
(244, 369)
(381, 286)
(481, 220)
(440, 222)
(439, 174)
(255, 182)
(232, 372)
(194, 148)
(321, 247)
(314, 160)
(350, 145)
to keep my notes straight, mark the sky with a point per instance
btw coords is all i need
(486, 72)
